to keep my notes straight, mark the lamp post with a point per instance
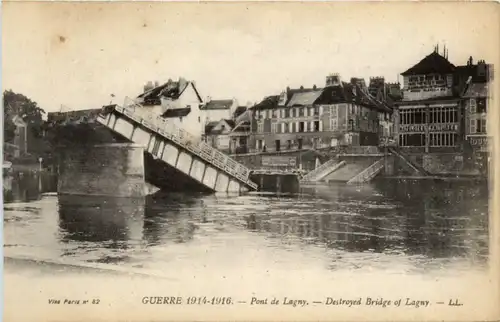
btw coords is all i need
(40, 175)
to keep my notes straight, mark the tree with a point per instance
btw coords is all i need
(28, 110)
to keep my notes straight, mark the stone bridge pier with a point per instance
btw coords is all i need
(113, 170)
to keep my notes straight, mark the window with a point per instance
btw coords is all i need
(316, 126)
(334, 124)
(473, 106)
(442, 139)
(417, 139)
(287, 113)
(289, 144)
(301, 111)
(481, 105)
(260, 127)
(293, 127)
(260, 144)
(333, 111)
(472, 126)
(316, 111)
(480, 126)
(301, 126)
(273, 127)
(199, 119)
(285, 128)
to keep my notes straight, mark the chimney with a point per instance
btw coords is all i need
(314, 87)
(470, 61)
(157, 83)
(481, 68)
(333, 80)
(149, 86)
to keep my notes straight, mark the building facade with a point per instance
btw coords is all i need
(429, 117)
(180, 103)
(476, 102)
(443, 113)
(339, 114)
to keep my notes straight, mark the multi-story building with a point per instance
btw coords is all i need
(180, 102)
(429, 115)
(475, 100)
(340, 113)
(388, 94)
(430, 120)
(216, 110)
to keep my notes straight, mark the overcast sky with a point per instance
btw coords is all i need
(79, 54)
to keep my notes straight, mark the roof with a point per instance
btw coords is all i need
(231, 123)
(477, 90)
(268, 102)
(433, 63)
(304, 98)
(210, 127)
(177, 112)
(171, 89)
(239, 110)
(218, 105)
(478, 72)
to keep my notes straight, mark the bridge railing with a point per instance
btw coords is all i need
(189, 142)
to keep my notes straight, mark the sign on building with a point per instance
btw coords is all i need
(278, 161)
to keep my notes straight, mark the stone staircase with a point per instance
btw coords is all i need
(348, 171)
(323, 170)
(419, 170)
(369, 173)
(179, 156)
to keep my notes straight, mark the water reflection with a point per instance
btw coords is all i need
(26, 186)
(103, 222)
(350, 225)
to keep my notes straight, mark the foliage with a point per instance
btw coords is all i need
(20, 105)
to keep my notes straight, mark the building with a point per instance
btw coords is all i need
(217, 134)
(228, 135)
(339, 114)
(215, 110)
(476, 100)
(430, 121)
(20, 136)
(180, 103)
(388, 94)
(429, 115)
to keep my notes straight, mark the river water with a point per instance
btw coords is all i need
(388, 225)
(384, 238)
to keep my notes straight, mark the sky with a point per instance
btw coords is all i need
(76, 55)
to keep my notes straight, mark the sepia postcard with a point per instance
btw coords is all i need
(250, 161)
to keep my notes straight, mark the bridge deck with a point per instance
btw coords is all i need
(164, 135)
